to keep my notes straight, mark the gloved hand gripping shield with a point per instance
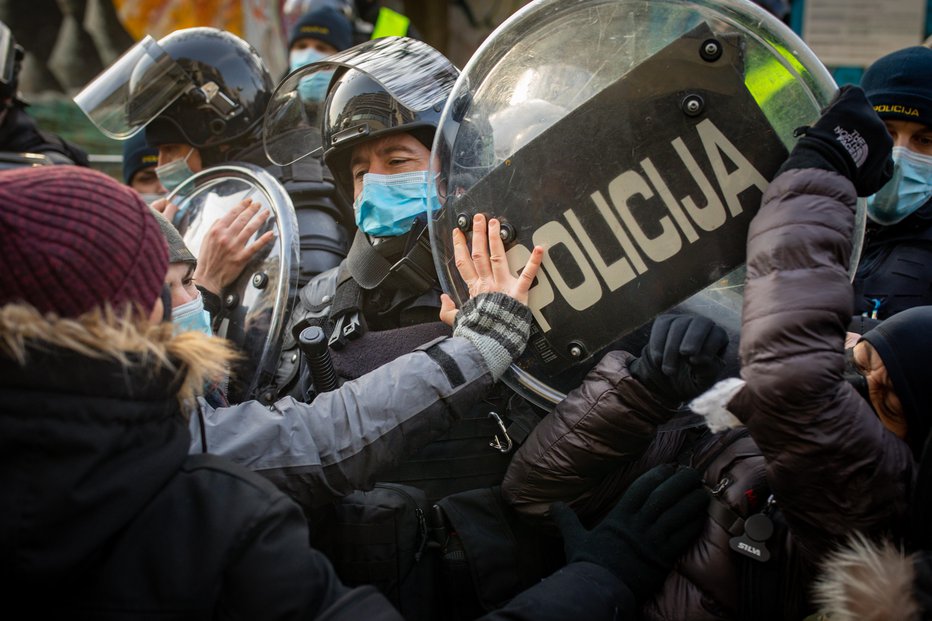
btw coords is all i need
(633, 139)
(135, 89)
(254, 308)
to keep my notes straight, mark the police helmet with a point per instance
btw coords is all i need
(11, 58)
(359, 109)
(231, 89)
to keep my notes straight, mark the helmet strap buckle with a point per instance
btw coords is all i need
(217, 101)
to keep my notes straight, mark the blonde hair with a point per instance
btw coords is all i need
(124, 337)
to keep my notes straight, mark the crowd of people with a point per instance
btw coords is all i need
(140, 480)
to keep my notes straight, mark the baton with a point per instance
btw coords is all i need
(316, 352)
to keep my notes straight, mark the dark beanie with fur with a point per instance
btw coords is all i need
(73, 239)
(904, 343)
(899, 85)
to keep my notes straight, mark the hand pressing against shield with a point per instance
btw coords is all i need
(485, 269)
(225, 251)
(169, 210)
(496, 318)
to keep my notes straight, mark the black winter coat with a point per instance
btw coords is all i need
(895, 270)
(19, 134)
(105, 515)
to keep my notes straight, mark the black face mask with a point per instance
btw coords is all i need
(854, 377)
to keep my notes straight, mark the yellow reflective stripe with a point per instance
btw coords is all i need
(766, 79)
(390, 24)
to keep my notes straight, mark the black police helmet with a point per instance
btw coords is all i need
(234, 87)
(359, 109)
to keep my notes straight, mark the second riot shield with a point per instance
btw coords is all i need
(255, 307)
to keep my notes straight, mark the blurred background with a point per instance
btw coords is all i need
(68, 42)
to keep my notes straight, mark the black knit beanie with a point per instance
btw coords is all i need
(899, 85)
(904, 343)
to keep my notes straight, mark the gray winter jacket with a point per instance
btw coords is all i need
(342, 440)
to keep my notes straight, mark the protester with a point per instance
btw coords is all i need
(881, 579)
(837, 462)
(624, 418)
(895, 270)
(112, 516)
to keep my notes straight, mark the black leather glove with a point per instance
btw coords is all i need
(683, 357)
(656, 520)
(849, 138)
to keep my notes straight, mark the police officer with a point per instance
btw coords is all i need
(895, 271)
(18, 132)
(200, 94)
(384, 299)
(319, 33)
(139, 162)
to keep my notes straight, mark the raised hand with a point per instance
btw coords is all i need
(165, 208)
(485, 269)
(224, 252)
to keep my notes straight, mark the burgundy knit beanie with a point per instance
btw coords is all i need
(72, 239)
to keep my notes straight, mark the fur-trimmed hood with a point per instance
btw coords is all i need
(90, 430)
(194, 359)
(868, 581)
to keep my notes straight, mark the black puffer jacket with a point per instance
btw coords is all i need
(605, 434)
(105, 515)
(831, 463)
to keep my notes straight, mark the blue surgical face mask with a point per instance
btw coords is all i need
(388, 204)
(314, 86)
(908, 190)
(175, 173)
(299, 58)
(191, 317)
(150, 198)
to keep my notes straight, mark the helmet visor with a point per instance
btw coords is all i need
(135, 89)
(415, 74)
(7, 55)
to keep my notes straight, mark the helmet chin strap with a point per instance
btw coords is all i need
(414, 270)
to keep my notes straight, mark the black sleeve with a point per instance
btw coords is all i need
(580, 590)
(211, 302)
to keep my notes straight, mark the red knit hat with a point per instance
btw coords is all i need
(73, 238)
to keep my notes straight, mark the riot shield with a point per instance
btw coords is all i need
(256, 306)
(633, 139)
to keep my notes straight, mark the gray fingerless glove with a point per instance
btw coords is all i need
(498, 325)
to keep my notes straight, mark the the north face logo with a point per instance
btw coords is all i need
(854, 144)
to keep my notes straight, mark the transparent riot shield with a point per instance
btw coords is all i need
(633, 139)
(256, 306)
